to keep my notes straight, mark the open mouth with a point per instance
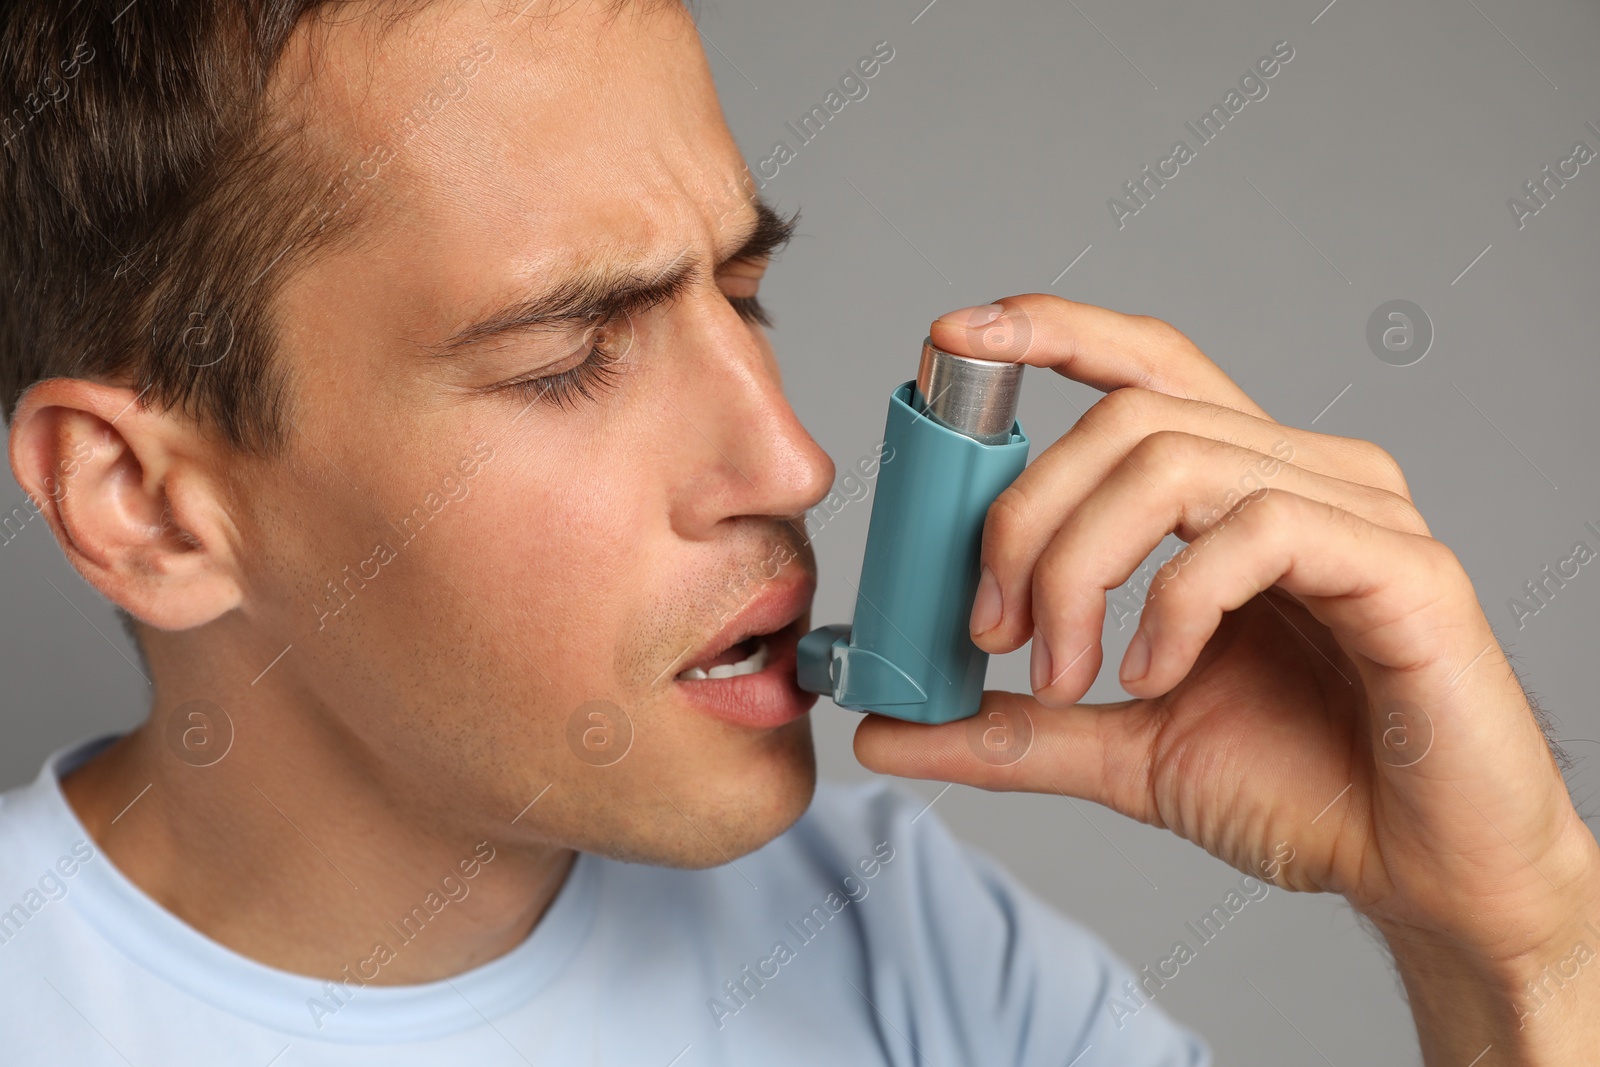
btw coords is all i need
(745, 674)
(745, 657)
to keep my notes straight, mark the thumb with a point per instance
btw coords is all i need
(1098, 752)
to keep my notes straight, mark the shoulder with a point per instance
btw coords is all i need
(940, 897)
(949, 883)
(1012, 975)
(852, 820)
(42, 849)
(35, 830)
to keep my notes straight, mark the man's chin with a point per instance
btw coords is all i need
(715, 818)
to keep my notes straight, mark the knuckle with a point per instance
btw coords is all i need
(1004, 523)
(1117, 415)
(1165, 334)
(1166, 578)
(1442, 556)
(1040, 302)
(1400, 514)
(1444, 566)
(1165, 442)
(1051, 572)
(1060, 592)
(1127, 405)
(1267, 509)
(1390, 472)
(1383, 469)
(1170, 455)
(1038, 305)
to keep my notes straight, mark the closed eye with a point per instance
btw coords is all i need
(750, 309)
(599, 370)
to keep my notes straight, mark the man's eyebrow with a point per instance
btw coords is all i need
(771, 232)
(612, 292)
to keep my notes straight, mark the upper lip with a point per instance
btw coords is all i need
(780, 602)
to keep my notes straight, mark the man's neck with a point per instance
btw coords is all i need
(300, 860)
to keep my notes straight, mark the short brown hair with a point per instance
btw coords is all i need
(152, 198)
(144, 193)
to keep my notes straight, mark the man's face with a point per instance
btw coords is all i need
(463, 563)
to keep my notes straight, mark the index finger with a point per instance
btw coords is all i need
(1093, 345)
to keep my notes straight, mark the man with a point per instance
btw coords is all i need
(399, 370)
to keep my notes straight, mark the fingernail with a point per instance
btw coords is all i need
(986, 606)
(973, 317)
(1039, 663)
(1137, 661)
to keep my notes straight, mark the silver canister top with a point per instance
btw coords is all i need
(974, 397)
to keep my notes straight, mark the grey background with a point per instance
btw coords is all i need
(979, 165)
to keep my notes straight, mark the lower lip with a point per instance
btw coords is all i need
(770, 697)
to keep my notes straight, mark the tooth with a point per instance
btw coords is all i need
(751, 664)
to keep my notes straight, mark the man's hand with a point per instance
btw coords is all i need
(1313, 677)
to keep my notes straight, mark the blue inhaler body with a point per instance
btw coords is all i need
(952, 443)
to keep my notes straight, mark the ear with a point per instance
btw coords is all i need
(133, 497)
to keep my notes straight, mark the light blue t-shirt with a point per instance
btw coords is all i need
(865, 934)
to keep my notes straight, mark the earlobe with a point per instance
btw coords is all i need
(131, 498)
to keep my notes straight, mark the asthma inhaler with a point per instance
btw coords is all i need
(954, 443)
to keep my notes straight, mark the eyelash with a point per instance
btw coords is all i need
(599, 372)
(750, 310)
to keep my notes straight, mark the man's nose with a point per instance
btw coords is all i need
(751, 456)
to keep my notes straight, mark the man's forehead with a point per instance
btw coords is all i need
(493, 156)
(479, 102)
